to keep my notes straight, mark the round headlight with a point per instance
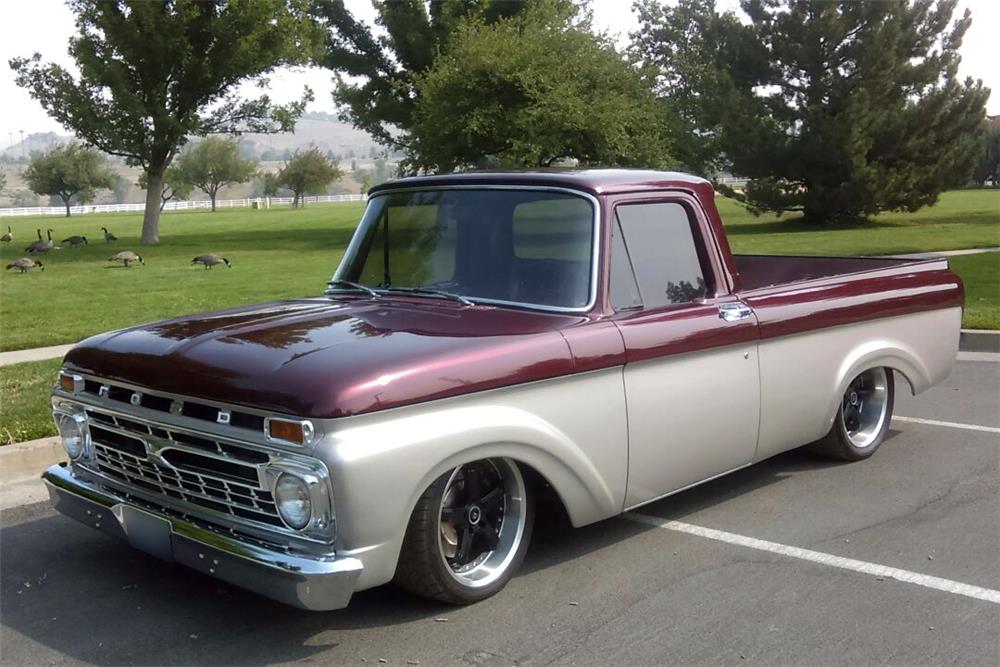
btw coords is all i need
(73, 432)
(292, 497)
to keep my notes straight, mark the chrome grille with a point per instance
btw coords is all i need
(198, 470)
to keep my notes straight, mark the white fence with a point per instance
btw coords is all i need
(250, 202)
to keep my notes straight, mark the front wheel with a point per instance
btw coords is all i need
(863, 417)
(468, 533)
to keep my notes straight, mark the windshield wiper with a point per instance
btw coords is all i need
(351, 285)
(430, 291)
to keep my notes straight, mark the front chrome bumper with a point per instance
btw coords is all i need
(299, 581)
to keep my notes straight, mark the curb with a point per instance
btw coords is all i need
(26, 460)
(975, 340)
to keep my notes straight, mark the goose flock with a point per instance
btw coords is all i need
(126, 258)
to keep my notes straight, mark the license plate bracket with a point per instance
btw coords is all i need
(146, 531)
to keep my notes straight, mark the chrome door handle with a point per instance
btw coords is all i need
(734, 312)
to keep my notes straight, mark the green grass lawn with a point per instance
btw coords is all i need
(282, 253)
(961, 219)
(981, 274)
(24, 400)
(276, 253)
(285, 253)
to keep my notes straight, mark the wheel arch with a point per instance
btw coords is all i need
(416, 449)
(893, 356)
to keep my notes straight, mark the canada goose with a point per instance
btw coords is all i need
(210, 260)
(74, 241)
(24, 264)
(9, 236)
(108, 236)
(36, 244)
(126, 256)
(42, 246)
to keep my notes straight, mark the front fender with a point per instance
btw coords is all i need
(572, 431)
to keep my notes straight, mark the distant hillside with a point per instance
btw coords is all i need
(40, 141)
(317, 128)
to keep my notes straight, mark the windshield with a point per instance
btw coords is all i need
(529, 247)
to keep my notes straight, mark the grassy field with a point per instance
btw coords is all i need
(274, 254)
(24, 395)
(284, 253)
(981, 274)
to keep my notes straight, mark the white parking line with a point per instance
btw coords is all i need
(935, 422)
(925, 580)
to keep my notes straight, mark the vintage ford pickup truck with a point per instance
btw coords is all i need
(486, 337)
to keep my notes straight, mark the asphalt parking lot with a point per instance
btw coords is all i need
(796, 560)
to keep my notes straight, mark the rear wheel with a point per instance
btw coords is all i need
(863, 417)
(468, 533)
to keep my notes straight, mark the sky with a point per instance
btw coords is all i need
(45, 26)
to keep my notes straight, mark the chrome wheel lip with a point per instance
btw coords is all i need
(491, 565)
(873, 402)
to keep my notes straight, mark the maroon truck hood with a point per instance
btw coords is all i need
(332, 358)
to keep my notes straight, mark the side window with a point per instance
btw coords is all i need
(664, 257)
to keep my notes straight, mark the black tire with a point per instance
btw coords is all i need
(839, 442)
(423, 568)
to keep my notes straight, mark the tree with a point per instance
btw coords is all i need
(308, 171)
(214, 163)
(847, 109)
(72, 172)
(380, 94)
(685, 49)
(3, 181)
(173, 185)
(152, 73)
(366, 183)
(532, 90)
(270, 184)
(988, 165)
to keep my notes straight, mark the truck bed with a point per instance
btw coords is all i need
(763, 271)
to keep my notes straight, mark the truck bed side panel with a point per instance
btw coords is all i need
(840, 300)
(818, 334)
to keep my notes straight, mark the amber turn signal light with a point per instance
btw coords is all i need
(286, 430)
(70, 383)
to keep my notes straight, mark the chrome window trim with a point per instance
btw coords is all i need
(352, 247)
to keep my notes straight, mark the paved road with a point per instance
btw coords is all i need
(620, 592)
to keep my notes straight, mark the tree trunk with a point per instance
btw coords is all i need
(66, 204)
(295, 200)
(151, 214)
(212, 195)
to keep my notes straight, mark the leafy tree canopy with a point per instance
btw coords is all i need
(684, 49)
(988, 165)
(72, 172)
(308, 172)
(833, 110)
(383, 102)
(212, 164)
(153, 72)
(530, 91)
